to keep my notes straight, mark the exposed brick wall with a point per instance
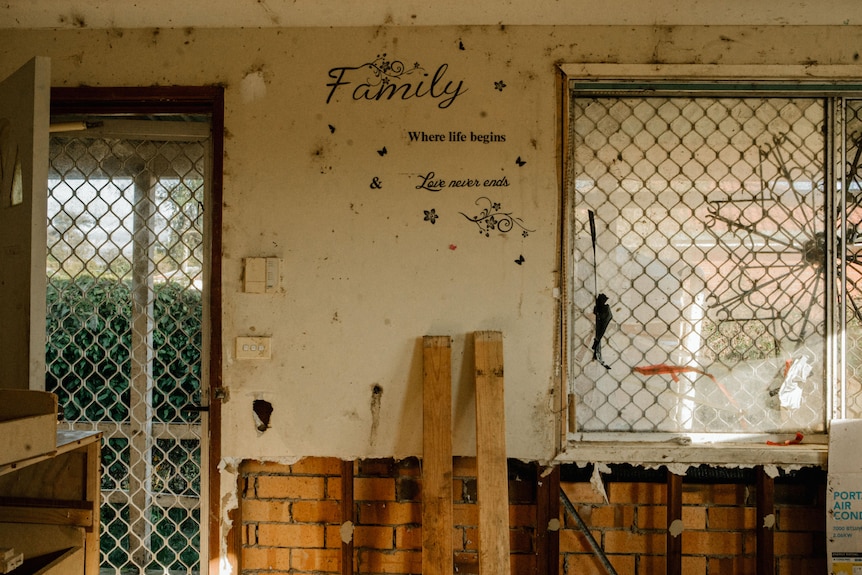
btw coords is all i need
(291, 516)
(719, 535)
(291, 521)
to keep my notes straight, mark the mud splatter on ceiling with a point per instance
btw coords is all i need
(275, 13)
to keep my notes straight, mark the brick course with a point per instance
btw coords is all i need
(291, 522)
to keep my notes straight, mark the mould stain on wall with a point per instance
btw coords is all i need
(376, 399)
(271, 14)
(320, 158)
(74, 19)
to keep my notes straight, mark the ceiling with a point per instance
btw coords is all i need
(70, 14)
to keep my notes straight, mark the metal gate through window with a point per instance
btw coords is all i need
(713, 260)
(126, 244)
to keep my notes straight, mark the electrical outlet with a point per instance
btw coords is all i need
(254, 348)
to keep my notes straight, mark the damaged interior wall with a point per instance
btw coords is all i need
(435, 211)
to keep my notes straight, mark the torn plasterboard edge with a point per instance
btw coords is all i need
(770, 469)
(229, 503)
(228, 469)
(599, 469)
(596, 481)
(677, 468)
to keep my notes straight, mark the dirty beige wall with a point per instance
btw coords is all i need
(378, 244)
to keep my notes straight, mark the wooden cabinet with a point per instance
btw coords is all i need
(49, 507)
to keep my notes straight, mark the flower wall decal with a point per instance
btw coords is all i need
(389, 70)
(431, 215)
(492, 217)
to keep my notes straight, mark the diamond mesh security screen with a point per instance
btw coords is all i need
(708, 227)
(850, 395)
(124, 355)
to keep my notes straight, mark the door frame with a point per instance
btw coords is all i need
(181, 100)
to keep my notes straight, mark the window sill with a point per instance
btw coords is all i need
(685, 450)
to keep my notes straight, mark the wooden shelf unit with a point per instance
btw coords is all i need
(50, 502)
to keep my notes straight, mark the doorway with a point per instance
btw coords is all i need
(133, 282)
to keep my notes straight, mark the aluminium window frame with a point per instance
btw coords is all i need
(683, 449)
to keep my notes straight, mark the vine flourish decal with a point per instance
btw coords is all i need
(389, 70)
(492, 217)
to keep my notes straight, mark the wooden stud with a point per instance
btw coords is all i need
(437, 509)
(547, 510)
(491, 467)
(674, 524)
(347, 516)
(765, 523)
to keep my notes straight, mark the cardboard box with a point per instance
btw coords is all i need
(28, 424)
(844, 498)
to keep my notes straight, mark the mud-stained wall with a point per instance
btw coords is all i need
(407, 180)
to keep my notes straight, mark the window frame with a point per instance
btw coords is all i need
(661, 448)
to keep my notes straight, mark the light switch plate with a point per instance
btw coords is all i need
(254, 348)
(273, 274)
(261, 275)
(254, 275)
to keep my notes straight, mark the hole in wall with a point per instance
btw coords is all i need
(262, 413)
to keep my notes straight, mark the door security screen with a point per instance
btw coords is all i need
(125, 309)
(713, 257)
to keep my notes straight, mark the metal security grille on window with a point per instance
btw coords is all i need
(850, 394)
(715, 235)
(125, 252)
